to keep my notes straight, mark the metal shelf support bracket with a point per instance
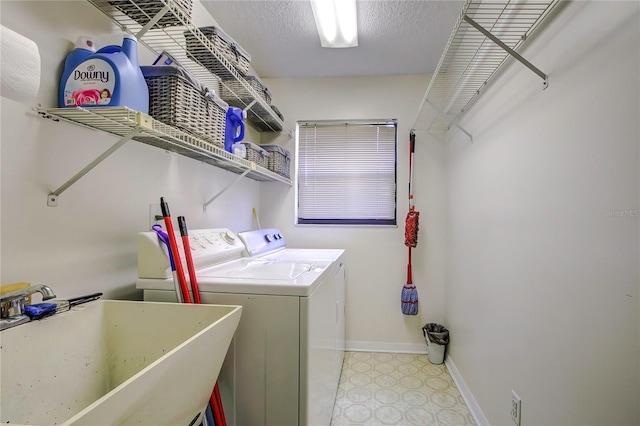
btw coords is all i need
(52, 198)
(223, 190)
(451, 122)
(510, 51)
(152, 22)
(248, 107)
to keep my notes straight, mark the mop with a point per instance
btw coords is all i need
(409, 297)
(173, 246)
(215, 401)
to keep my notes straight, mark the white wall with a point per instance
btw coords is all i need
(376, 257)
(543, 228)
(88, 242)
(541, 272)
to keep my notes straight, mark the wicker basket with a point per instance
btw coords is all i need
(279, 160)
(177, 99)
(256, 154)
(231, 51)
(277, 111)
(264, 120)
(142, 11)
(235, 94)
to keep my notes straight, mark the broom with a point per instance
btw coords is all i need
(409, 297)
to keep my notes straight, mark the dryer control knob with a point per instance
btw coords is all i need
(267, 238)
(228, 237)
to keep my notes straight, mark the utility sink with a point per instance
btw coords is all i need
(115, 362)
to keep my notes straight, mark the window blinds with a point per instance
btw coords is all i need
(346, 172)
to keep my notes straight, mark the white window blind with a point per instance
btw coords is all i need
(346, 172)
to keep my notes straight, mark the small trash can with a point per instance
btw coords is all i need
(437, 338)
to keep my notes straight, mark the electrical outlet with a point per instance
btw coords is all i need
(516, 408)
(154, 212)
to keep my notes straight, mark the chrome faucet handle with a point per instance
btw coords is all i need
(13, 307)
(12, 304)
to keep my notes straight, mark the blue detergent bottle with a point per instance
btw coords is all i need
(84, 48)
(234, 128)
(109, 77)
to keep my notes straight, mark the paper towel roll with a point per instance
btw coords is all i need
(20, 59)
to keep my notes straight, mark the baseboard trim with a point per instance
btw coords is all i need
(401, 348)
(471, 402)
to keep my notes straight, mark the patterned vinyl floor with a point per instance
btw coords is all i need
(397, 389)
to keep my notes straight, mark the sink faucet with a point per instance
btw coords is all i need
(12, 304)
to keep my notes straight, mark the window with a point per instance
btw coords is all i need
(346, 172)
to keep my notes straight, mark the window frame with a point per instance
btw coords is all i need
(360, 222)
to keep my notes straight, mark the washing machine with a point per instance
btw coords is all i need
(284, 363)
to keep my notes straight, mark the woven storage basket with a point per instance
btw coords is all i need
(279, 160)
(277, 111)
(256, 154)
(263, 120)
(177, 99)
(142, 11)
(230, 50)
(231, 90)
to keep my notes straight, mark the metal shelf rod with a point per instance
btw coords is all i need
(223, 190)
(52, 198)
(451, 122)
(509, 50)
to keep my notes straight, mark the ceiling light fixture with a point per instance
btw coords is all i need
(337, 22)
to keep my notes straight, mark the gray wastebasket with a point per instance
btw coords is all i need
(437, 338)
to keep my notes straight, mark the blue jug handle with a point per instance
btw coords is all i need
(110, 49)
(241, 135)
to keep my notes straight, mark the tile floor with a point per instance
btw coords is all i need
(397, 389)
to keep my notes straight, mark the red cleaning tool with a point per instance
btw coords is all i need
(409, 295)
(182, 224)
(215, 400)
(186, 297)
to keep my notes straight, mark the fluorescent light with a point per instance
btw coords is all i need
(337, 22)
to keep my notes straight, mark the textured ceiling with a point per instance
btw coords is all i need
(394, 36)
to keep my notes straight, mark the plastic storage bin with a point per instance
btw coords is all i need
(142, 11)
(176, 98)
(279, 160)
(256, 154)
(230, 50)
(437, 338)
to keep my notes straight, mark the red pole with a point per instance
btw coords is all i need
(174, 250)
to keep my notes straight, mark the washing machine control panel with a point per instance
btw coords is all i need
(208, 247)
(262, 241)
(228, 237)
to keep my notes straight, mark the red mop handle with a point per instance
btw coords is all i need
(412, 149)
(215, 399)
(182, 224)
(174, 250)
(216, 407)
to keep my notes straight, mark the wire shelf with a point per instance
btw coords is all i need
(470, 59)
(171, 39)
(121, 121)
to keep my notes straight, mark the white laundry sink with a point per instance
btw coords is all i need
(115, 362)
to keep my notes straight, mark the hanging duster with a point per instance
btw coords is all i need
(409, 297)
